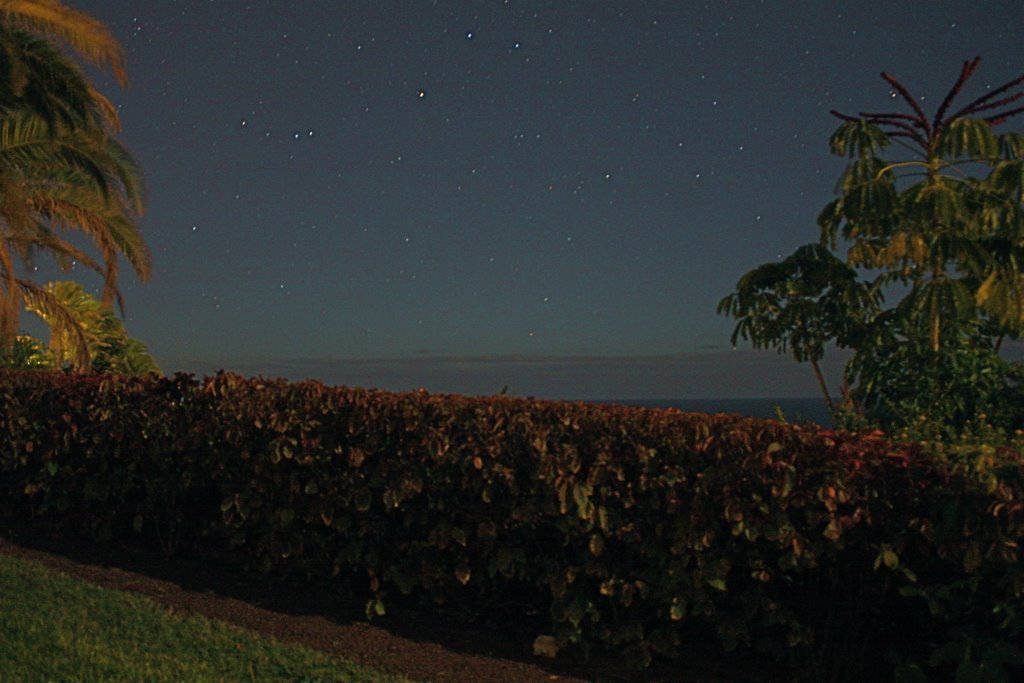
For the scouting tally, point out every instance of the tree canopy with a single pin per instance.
(929, 214)
(85, 335)
(63, 175)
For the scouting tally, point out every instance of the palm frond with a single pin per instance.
(84, 34)
(41, 79)
(60, 167)
(67, 336)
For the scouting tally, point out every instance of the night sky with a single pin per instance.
(462, 196)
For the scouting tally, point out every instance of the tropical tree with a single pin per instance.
(940, 228)
(801, 304)
(929, 221)
(61, 169)
(36, 77)
(94, 339)
(80, 180)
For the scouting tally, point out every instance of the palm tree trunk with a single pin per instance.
(8, 324)
(10, 302)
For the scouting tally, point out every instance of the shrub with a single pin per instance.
(623, 527)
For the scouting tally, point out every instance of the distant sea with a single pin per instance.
(793, 409)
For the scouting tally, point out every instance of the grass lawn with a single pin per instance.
(54, 628)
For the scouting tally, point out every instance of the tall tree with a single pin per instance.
(80, 181)
(940, 228)
(60, 167)
(947, 220)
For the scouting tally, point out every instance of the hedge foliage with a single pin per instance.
(625, 527)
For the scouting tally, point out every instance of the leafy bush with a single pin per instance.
(108, 454)
(27, 352)
(624, 527)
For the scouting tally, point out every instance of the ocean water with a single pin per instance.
(793, 409)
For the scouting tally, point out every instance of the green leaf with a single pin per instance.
(581, 496)
(969, 138)
(375, 608)
(718, 584)
(857, 138)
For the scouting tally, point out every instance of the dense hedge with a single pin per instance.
(626, 526)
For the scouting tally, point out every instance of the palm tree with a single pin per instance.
(79, 180)
(60, 167)
(64, 325)
(36, 76)
(95, 339)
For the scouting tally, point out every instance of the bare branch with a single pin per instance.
(844, 117)
(965, 73)
(904, 130)
(893, 115)
(889, 120)
(998, 103)
(917, 127)
(905, 94)
(988, 96)
(913, 136)
(1000, 118)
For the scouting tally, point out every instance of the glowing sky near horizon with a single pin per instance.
(551, 196)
